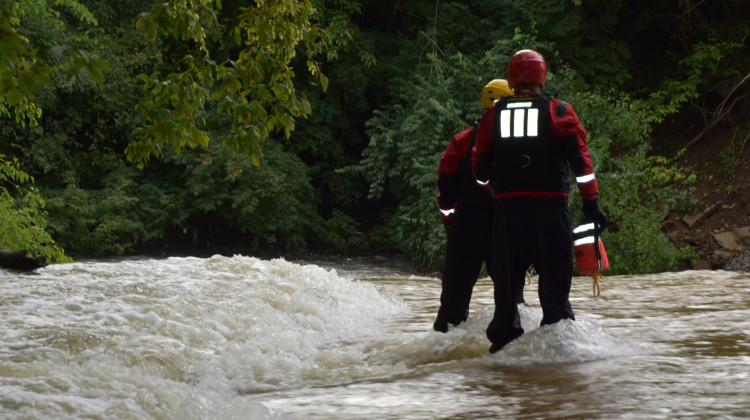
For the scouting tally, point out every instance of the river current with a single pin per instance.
(245, 338)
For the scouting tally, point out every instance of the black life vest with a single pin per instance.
(526, 156)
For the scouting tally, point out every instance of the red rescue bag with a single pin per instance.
(589, 249)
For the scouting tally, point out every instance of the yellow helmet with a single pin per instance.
(493, 91)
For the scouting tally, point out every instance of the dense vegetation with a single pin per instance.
(294, 126)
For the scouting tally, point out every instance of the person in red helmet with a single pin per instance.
(466, 209)
(527, 145)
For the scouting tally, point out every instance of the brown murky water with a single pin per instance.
(239, 337)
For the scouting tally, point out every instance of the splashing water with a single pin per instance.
(240, 337)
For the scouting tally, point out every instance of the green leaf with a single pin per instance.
(13, 96)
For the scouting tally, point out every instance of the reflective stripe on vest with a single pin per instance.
(526, 156)
(522, 118)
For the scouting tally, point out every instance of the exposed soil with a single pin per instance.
(721, 161)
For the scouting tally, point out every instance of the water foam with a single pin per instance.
(174, 338)
(563, 342)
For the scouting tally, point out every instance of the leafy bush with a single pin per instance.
(107, 220)
(22, 216)
(408, 137)
(386, 124)
(406, 142)
(205, 193)
(637, 188)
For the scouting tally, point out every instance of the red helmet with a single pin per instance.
(526, 66)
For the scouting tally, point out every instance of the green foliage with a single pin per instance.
(101, 207)
(637, 188)
(698, 71)
(19, 73)
(406, 142)
(640, 246)
(272, 202)
(200, 193)
(357, 174)
(337, 33)
(255, 85)
(105, 221)
(405, 147)
(22, 215)
(343, 233)
(731, 158)
(408, 137)
(30, 63)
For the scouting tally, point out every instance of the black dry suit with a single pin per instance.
(469, 242)
(528, 147)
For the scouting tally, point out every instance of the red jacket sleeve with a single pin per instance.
(449, 180)
(480, 158)
(566, 126)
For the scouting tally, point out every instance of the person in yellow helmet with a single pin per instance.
(467, 210)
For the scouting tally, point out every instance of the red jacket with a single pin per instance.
(455, 175)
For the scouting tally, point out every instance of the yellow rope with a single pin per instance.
(528, 278)
(596, 276)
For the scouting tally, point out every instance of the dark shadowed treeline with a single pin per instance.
(317, 126)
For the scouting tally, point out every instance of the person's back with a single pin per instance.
(467, 211)
(526, 147)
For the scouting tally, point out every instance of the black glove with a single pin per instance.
(592, 211)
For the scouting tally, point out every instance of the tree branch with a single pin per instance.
(721, 112)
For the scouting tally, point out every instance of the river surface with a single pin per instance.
(244, 338)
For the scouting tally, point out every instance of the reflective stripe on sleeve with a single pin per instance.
(447, 212)
(585, 178)
(584, 228)
(584, 241)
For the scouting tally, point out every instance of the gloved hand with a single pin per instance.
(446, 215)
(592, 211)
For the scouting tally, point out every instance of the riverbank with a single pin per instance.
(717, 227)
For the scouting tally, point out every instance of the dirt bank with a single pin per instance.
(718, 227)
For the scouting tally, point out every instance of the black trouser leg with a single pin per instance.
(509, 262)
(555, 265)
(530, 231)
(468, 246)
